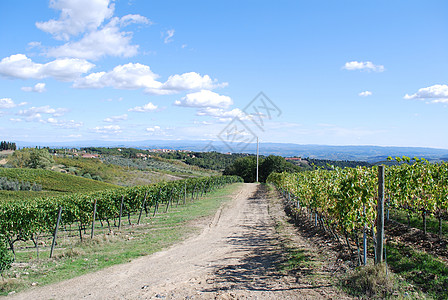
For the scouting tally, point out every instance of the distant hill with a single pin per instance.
(54, 181)
(370, 154)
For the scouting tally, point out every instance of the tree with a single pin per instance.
(20, 158)
(4, 145)
(40, 159)
(31, 158)
(276, 164)
(245, 167)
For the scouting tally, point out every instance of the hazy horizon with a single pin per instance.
(304, 72)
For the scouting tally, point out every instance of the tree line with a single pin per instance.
(4, 145)
(328, 164)
(246, 167)
(207, 160)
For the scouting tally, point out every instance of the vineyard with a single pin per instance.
(174, 166)
(26, 220)
(54, 181)
(346, 198)
(343, 202)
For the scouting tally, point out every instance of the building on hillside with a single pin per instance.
(293, 159)
(143, 156)
(88, 155)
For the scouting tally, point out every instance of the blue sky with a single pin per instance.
(335, 72)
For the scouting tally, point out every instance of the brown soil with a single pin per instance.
(237, 256)
(417, 239)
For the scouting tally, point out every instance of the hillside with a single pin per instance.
(54, 181)
(370, 154)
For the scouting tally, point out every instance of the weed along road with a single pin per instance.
(236, 256)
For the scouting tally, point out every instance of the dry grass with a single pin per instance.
(70, 253)
(8, 284)
(373, 281)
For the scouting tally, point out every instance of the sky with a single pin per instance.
(328, 72)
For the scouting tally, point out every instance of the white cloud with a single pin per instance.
(34, 44)
(129, 76)
(363, 66)
(156, 130)
(76, 17)
(34, 114)
(153, 129)
(203, 122)
(74, 135)
(168, 36)
(145, 108)
(15, 120)
(223, 115)
(108, 40)
(136, 76)
(67, 124)
(108, 129)
(437, 93)
(365, 94)
(38, 88)
(185, 82)
(7, 103)
(87, 19)
(65, 69)
(203, 99)
(116, 118)
(134, 19)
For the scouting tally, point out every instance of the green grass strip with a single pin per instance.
(154, 234)
(416, 221)
(419, 268)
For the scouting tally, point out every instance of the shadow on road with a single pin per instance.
(258, 270)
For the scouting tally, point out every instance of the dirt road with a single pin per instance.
(235, 257)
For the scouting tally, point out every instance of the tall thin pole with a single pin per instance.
(56, 231)
(257, 161)
(380, 216)
(93, 219)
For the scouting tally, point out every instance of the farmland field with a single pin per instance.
(332, 208)
(54, 181)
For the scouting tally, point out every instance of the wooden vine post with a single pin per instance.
(143, 206)
(56, 231)
(185, 193)
(93, 219)
(380, 217)
(121, 212)
(364, 241)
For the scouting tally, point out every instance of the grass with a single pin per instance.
(372, 281)
(419, 268)
(295, 260)
(74, 258)
(300, 262)
(432, 223)
(20, 195)
(54, 181)
(378, 282)
(130, 172)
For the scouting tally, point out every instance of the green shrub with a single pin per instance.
(87, 175)
(6, 258)
(14, 185)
